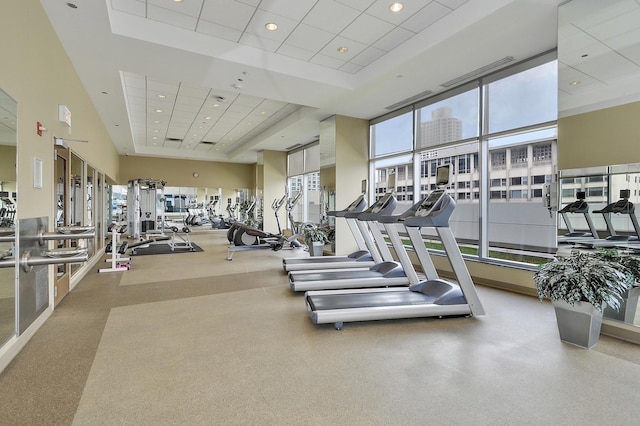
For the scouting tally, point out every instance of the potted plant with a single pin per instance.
(632, 308)
(579, 285)
(315, 238)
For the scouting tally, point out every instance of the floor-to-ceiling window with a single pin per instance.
(303, 183)
(499, 132)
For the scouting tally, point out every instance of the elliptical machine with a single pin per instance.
(250, 238)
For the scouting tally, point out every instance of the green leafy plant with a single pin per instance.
(598, 277)
(314, 234)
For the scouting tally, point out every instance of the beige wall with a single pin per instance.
(227, 176)
(352, 166)
(600, 138)
(7, 163)
(37, 73)
(328, 178)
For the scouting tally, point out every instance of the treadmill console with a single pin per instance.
(429, 203)
(356, 203)
(382, 202)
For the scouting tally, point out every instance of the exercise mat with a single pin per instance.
(164, 248)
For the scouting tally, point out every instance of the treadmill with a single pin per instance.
(386, 273)
(433, 297)
(622, 206)
(579, 206)
(366, 255)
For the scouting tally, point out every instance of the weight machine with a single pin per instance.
(145, 207)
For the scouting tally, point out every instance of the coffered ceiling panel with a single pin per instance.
(205, 79)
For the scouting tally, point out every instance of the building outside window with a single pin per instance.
(517, 147)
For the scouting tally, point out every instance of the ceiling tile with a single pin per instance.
(350, 68)
(190, 8)
(616, 26)
(393, 39)
(354, 48)
(309, 38)
(247, 100)
(260, 42)
(367, 29)
(218, 31)
(368, 56)
(172, 144)
(295, 52)
(380, 9)
(606, 11)
(204, 147)
(257, 25)
(632, 53)
(290, 9)
(608, 67)
(327, 61)
(628, 40)
(426, 17)
(452, 4)
(229, 13)
(331, 16)
(169, 17)
(360, 5)
(253, 3)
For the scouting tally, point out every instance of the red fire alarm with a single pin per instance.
(40, 128)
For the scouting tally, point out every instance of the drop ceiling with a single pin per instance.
(205, 79)
(598, 54)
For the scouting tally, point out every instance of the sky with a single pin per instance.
(529, 97)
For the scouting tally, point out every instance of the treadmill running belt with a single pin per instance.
(367, 300)
(338, 275)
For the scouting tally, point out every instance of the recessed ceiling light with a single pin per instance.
(156, 131)
(177, 1)
(158, 110)
(156, 121)
(342, 49)
(161, 96)
(396, 7)
(271, 26)
(207, 118)
(574, 83)
(216, 105)
(155, 138)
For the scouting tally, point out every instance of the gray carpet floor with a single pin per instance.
(194, 339)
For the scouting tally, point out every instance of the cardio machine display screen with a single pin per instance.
(355, 204)
(429, 203)
(381, 203)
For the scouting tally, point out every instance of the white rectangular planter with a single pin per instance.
(316, 248)
(632, 310)
(578, 324)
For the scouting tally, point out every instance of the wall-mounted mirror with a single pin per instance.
(598, 106)
(8, 198)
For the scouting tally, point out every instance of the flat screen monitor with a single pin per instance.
(625, 193)
(443, 174)
(391, 182)
(581, 195)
